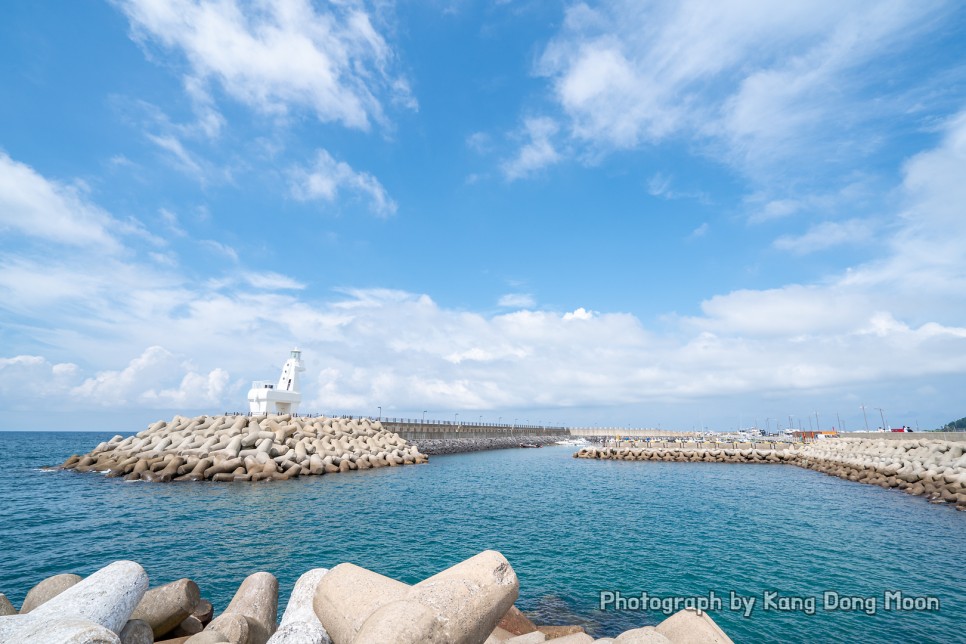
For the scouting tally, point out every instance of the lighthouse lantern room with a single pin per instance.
(282, 398)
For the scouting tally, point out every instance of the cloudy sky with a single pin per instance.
(647, 213)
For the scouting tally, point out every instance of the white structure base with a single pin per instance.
(280, 398)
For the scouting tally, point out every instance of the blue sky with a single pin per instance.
(644, 213)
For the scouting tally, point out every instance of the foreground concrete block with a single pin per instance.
(499, 635)
(348, 595)
(555, 632)
(137, 631)
(230, 626)
(646, 635)
(108, 597)
(688, 627)
(516, 622)
(403, 622)
(47, 590)
(204, 611)
(300, 624)
(574, 638)
(536, 637)
(207, 637)
(58, 631)
(190, 625)
(461, 604)
(164, 607)
(257, 601)
(470, 598)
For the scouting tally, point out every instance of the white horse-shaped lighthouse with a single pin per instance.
(283, 398)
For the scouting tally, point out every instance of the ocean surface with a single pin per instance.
(570, 528)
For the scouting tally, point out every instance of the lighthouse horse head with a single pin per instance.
(280, 398)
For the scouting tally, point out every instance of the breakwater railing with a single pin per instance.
(416, 429)
(692, 445)
(611, 432)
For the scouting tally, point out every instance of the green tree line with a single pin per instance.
(956, 425)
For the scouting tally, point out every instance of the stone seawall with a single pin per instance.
(432, 446)
(247, 448)
(931, 468)
(469, 603)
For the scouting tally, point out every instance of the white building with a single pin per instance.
(283, 397)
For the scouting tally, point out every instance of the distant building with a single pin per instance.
(283, 397)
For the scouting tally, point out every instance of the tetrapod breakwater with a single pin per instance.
(935, 469)
(247, 448)
(471, 602)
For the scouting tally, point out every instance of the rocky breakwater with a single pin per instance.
(935, 469)
(469, 603)
(247, 448)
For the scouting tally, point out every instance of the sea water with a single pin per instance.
(792, 555)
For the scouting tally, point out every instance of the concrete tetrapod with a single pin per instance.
(574, 638)
(405, 621)
(690, 627)
(536, 637)
(164, 607)
(259, 448)
(47, 590)
(6, 608)
(646, 635)
(137, 631)
(300, 624)
(471, 597)
(107, 598)
(63, 631)
(461, 604)
(348, 595)
(231, 626)
(256, 600)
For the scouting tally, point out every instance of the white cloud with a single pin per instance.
(537, 153)
(774, 209)
(43, 209)
(326, 178)
(516, 301)
(479, 142)
(271, 281)
(276, 56)
(183, 159)
(170, 220)
(220, 248)
(194, 391)
(826, 234)
(25, 379)
(137, 384)
(700, 231)
(777, 90)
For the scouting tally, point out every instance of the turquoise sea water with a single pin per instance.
(571, 528)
